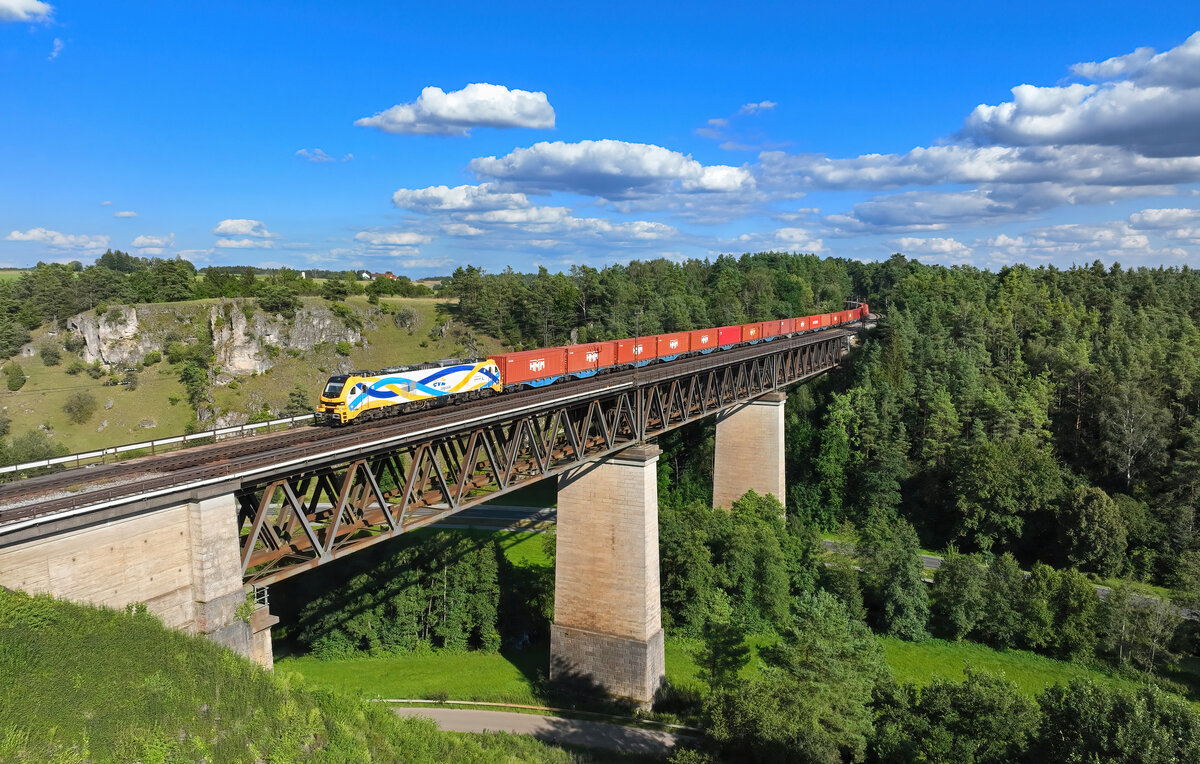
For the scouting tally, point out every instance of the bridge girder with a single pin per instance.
(292, 523)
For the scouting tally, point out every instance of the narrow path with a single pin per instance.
(552, 729)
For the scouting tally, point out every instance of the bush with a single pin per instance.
(343, 348)
(278, 298)
(15, 375)
(176, 352)
(152, 358)
(51, 355)
(95, 371)
(74, 343)
(75, 367)
(349, 317)
(80, 406)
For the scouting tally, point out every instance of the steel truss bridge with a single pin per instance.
(292, 522)
(309, 496)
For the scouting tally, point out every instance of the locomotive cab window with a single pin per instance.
(333, 388)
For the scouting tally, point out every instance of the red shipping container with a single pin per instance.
(773, 329)
(702, 339)
(531, 366)
(671, 345)
(751, 332)
(640, 349)
(729, 335)
(587, 359)
(805, 323)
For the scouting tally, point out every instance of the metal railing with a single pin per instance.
(155, 446)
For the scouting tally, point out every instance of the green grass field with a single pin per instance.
(133, 416)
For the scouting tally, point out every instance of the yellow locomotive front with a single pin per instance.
(347, 397)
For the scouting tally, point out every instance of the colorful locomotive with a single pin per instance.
(372, 394)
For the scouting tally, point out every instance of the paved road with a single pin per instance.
(553, 729)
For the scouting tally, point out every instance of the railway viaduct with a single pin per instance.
(195, 534)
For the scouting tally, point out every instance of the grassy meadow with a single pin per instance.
(89, 684)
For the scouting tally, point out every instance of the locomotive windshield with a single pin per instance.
(333, 387)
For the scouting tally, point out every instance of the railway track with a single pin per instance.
(90, 485)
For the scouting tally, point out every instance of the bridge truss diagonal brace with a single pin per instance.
(292, 522)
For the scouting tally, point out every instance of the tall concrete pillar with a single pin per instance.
(749, 451)
(607, 620)
(217, 590)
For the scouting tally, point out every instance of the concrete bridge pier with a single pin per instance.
(607, 629)
(749, 451)
(178, 555)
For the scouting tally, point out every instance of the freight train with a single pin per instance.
(364, 395)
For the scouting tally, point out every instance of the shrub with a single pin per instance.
(76, 366)
(349, 317)
(95, 371)
(152, 358)
(51, 355)
(74, 343)
(343, 348)
(278, 298)
(114, 314)
(80, 406)
(15, 375)
(176, 352)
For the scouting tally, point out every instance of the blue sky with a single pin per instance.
(388, 136)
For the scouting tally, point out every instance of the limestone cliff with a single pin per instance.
(245, 340)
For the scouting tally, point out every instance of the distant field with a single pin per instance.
(12, 275)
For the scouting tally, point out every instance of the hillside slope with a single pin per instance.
(79, 683)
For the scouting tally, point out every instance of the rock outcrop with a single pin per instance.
(243, 344)
(247, 345)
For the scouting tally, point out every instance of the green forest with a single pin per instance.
(1050, 414)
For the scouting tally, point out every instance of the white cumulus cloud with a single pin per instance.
(609, 169)
(933, 245)
(25, 10)
(386, 239)
(62, 241)
(457, 199)
(480, 104)
(754, 108)
(154, 241)
(243, 227)
(125, 214)
(244, 244)
(461, 229)
(1150, 103)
